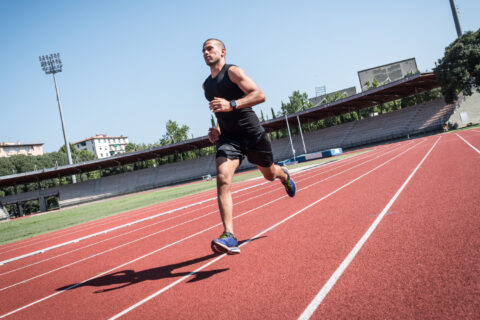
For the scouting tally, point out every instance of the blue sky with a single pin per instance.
(129, 66)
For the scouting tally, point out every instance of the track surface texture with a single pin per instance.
(393, 233)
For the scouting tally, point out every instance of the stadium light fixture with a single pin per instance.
(52, 64)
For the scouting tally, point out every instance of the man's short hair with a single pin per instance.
(220, 42)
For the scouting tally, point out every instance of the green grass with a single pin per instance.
(34, 225)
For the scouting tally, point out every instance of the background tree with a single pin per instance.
(78, 155)
(297, 102)
(273, 114)
(459, 69)
(333, 97)
(175, 133)
(262, 117)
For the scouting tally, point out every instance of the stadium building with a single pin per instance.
(102, 145)
(8, 149)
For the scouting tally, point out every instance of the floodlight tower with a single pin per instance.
(455, 17)
(52, 64)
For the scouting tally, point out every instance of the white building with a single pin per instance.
(8, 149)
(102, 145)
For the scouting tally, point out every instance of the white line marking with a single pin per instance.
(91, 256)
(134, 260)
(169, 228)
(93, 224)
(195, 234)
(118, 227)
(251, 239)
(139, 211)
(468, 143)
(127, 225)
(341, 268)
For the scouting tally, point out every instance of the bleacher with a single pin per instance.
(401, 123)
(431, 116)
(135, 181)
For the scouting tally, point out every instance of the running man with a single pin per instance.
(232, 94)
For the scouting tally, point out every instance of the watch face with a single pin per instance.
(233, 104)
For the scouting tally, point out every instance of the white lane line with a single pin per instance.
(468, 143)
(93, 224)
(179, 241)
(118, 227)
(139, 211)
(309, 176)
(341, 268)
(132, 231)
(254, 237)
(94, 255)
(134, 260)
(126, 225)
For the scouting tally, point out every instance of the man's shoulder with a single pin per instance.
(233, 67)
(235, 72)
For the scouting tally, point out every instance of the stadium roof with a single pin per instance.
(389, 92)
(398, 89)
(121, 159)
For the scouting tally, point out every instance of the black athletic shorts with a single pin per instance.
(258, 149)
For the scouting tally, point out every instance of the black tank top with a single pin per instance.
(240, 124)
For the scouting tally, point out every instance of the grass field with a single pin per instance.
(30, 226)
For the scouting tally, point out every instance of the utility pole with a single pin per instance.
(52, 64)
(455, 18)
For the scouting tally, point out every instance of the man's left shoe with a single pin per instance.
(290, 186)
(226, 243)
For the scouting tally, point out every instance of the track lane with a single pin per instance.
(217, 219)
(213, 202)
(101, 221)
(423, 261)
(121, 216)
(274, 275)
(238, 203)
(329, 169)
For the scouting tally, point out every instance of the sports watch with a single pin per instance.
(233, 104)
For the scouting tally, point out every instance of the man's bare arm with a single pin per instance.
(253, 94)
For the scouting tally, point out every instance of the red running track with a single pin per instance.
(393, 233)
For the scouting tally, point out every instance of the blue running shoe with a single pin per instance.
(290, 186)
(226, 243)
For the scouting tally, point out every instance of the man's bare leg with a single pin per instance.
(225, 171)
(273, 172)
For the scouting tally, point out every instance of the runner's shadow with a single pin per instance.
(127, 278)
